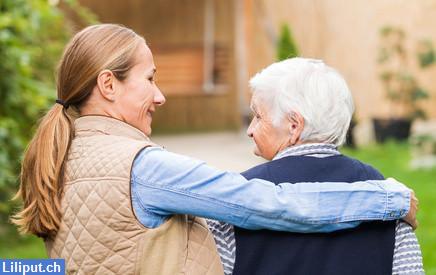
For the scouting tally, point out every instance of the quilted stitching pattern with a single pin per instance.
(203, 257)
(108, 156)
(98, 228)
(93, 231)
(99, 233)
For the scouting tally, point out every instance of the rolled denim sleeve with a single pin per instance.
(165, 183)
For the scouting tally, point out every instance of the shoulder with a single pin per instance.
(258, 171)
(157, 162)
(346, 165)
(156, 154)
(364, 168)
(265, 170)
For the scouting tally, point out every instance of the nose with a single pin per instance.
(250, 129)
(159, 98)
(249, 133)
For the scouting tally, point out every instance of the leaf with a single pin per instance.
(420, 93)
(383, 55)
(426, 53)
(385, 31)
(418, 114)
(286, 47)
(386, 76)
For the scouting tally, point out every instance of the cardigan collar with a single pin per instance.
(309, 149)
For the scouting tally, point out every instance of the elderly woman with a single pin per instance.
(302, 109)
(109, 201)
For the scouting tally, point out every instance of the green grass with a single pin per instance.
(391, 159)
(21, 247)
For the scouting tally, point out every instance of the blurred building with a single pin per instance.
(345, 34)
(206, 50)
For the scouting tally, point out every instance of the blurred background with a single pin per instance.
(207, 50)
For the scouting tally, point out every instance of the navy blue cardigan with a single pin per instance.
(367, 249)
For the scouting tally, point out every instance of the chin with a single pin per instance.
(145, 130)
(259, 154)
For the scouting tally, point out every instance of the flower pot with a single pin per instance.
(398, 129)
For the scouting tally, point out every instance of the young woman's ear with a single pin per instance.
(105, 84)
(296, 126)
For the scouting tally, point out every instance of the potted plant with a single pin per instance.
(286, 46)
(402, 88)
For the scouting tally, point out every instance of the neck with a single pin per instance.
(96, 109)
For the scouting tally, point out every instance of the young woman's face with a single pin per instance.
(138, 94)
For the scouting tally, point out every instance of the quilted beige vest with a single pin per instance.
(99, 233)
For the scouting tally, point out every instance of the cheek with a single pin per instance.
(139, 98)
(263, 140)
(147, 96)
(134, 106)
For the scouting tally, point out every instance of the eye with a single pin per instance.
(151, 79)
(255, 115)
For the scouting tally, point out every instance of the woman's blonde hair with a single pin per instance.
(95, 48)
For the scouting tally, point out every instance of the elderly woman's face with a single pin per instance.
(269, 139)
(139, 94)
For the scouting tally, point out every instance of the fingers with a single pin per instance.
(411, 215)
(414, 224)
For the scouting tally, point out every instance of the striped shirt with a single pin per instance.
(407, 257)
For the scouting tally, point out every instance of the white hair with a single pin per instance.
(316, 91)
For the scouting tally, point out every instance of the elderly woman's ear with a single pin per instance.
(105, 84)
(296, 126)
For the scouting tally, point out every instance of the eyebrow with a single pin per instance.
(152, 72)
(253, 108)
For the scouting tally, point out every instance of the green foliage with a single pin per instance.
(401, 86)
(22, 247)
(32, 36)
(426, 53)
(286, 47)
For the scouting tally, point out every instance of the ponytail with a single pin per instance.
(42, 175)
(95, 48)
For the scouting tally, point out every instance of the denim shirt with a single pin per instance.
(165, 183)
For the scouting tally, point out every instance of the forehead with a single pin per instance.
(257, 100)
(144, 57)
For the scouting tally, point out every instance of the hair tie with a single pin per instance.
(64, 104)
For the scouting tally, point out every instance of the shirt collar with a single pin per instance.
(310, 149)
